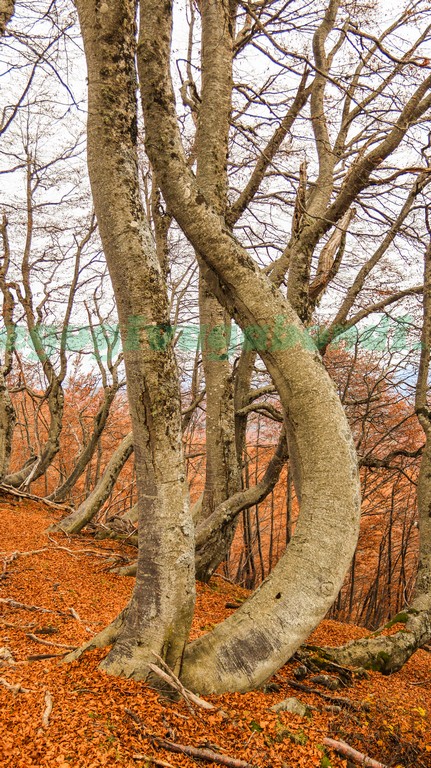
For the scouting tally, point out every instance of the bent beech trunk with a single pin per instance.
(94, 502)
(245, 650)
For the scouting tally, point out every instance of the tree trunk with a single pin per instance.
(7, 426)
(222, 477)
(7, 8)
(159, 614)
(247, 648)
(94, 502)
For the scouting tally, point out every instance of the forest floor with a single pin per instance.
(97, 720)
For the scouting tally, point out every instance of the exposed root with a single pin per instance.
(105, 637)
(385, 654)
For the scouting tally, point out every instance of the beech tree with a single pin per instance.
(351, 160)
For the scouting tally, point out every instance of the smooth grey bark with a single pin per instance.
(246, 649)
(78, 519)
(158, 616)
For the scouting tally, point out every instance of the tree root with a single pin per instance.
(104, 638)
(385, 654)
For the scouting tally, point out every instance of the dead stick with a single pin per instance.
(48, 642)
(151, 759)
(343, 702)
(347, 751)
(15, 688)
(22, 606)
(48, 709)
(173, 680)
(201, 754)
(8, 489)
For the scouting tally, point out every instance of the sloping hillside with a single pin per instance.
(57, 592)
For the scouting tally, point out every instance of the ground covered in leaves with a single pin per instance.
(96, 720)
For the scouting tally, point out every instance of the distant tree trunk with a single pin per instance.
(89, 508)
(211, 531)
(7, 426)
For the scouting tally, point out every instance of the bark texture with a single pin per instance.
(247, 648)
(7, 8)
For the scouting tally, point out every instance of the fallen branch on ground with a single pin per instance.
(340, 700)
(23, 606)
(200, 754)
(14, 688)
(72, 552)
(184, 749)
(151, 759)
(48, 642)
(48, 709)
(9, 490)
(352, 754)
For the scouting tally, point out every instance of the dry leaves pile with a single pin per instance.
(72, 715)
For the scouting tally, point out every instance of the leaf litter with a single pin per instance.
(75, 716)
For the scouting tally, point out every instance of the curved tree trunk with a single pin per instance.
(16, 479)
(94, 502)
(159, 614)
(246, 649)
